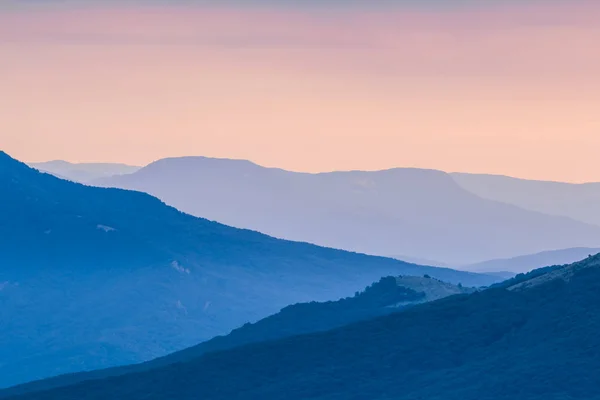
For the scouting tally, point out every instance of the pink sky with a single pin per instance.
(513, 90)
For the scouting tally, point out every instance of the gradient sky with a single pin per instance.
(477, 86)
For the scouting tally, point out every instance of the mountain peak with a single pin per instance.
(201, 160)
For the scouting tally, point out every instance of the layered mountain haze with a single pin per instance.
(578, 201)
(389, 295)
(259, 200)
(421, 214)
(92, 277)
(534, 337)
(83, 172)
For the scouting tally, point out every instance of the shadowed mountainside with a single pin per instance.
(532, 338)
(92, 278)
(389, 295)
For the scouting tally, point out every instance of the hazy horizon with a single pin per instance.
(124, 163)
(500, 88)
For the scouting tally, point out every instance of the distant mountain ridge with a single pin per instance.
(533, 338)
(83, 172)
(389, 295)
(117, 277)
(580, 202)
(533, 261)
(422, 214)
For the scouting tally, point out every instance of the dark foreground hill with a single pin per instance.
(534, 338)
(389, 295)
(92, 278)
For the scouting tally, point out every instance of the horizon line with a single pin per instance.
(265, 166)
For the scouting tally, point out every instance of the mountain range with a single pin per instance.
(580, 202)
(92, 278)
(420, 214)
(389, 295)
(577, 201)
(532, 337)
(83, 172)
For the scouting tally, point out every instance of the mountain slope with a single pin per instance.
(578, 201)
(532, 340)
(389, 295)
(84, 172)
(422, 214)
(532, 261)
(92, 278)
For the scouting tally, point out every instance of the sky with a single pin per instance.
(493, 86)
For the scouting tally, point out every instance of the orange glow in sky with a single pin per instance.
(513, 90)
